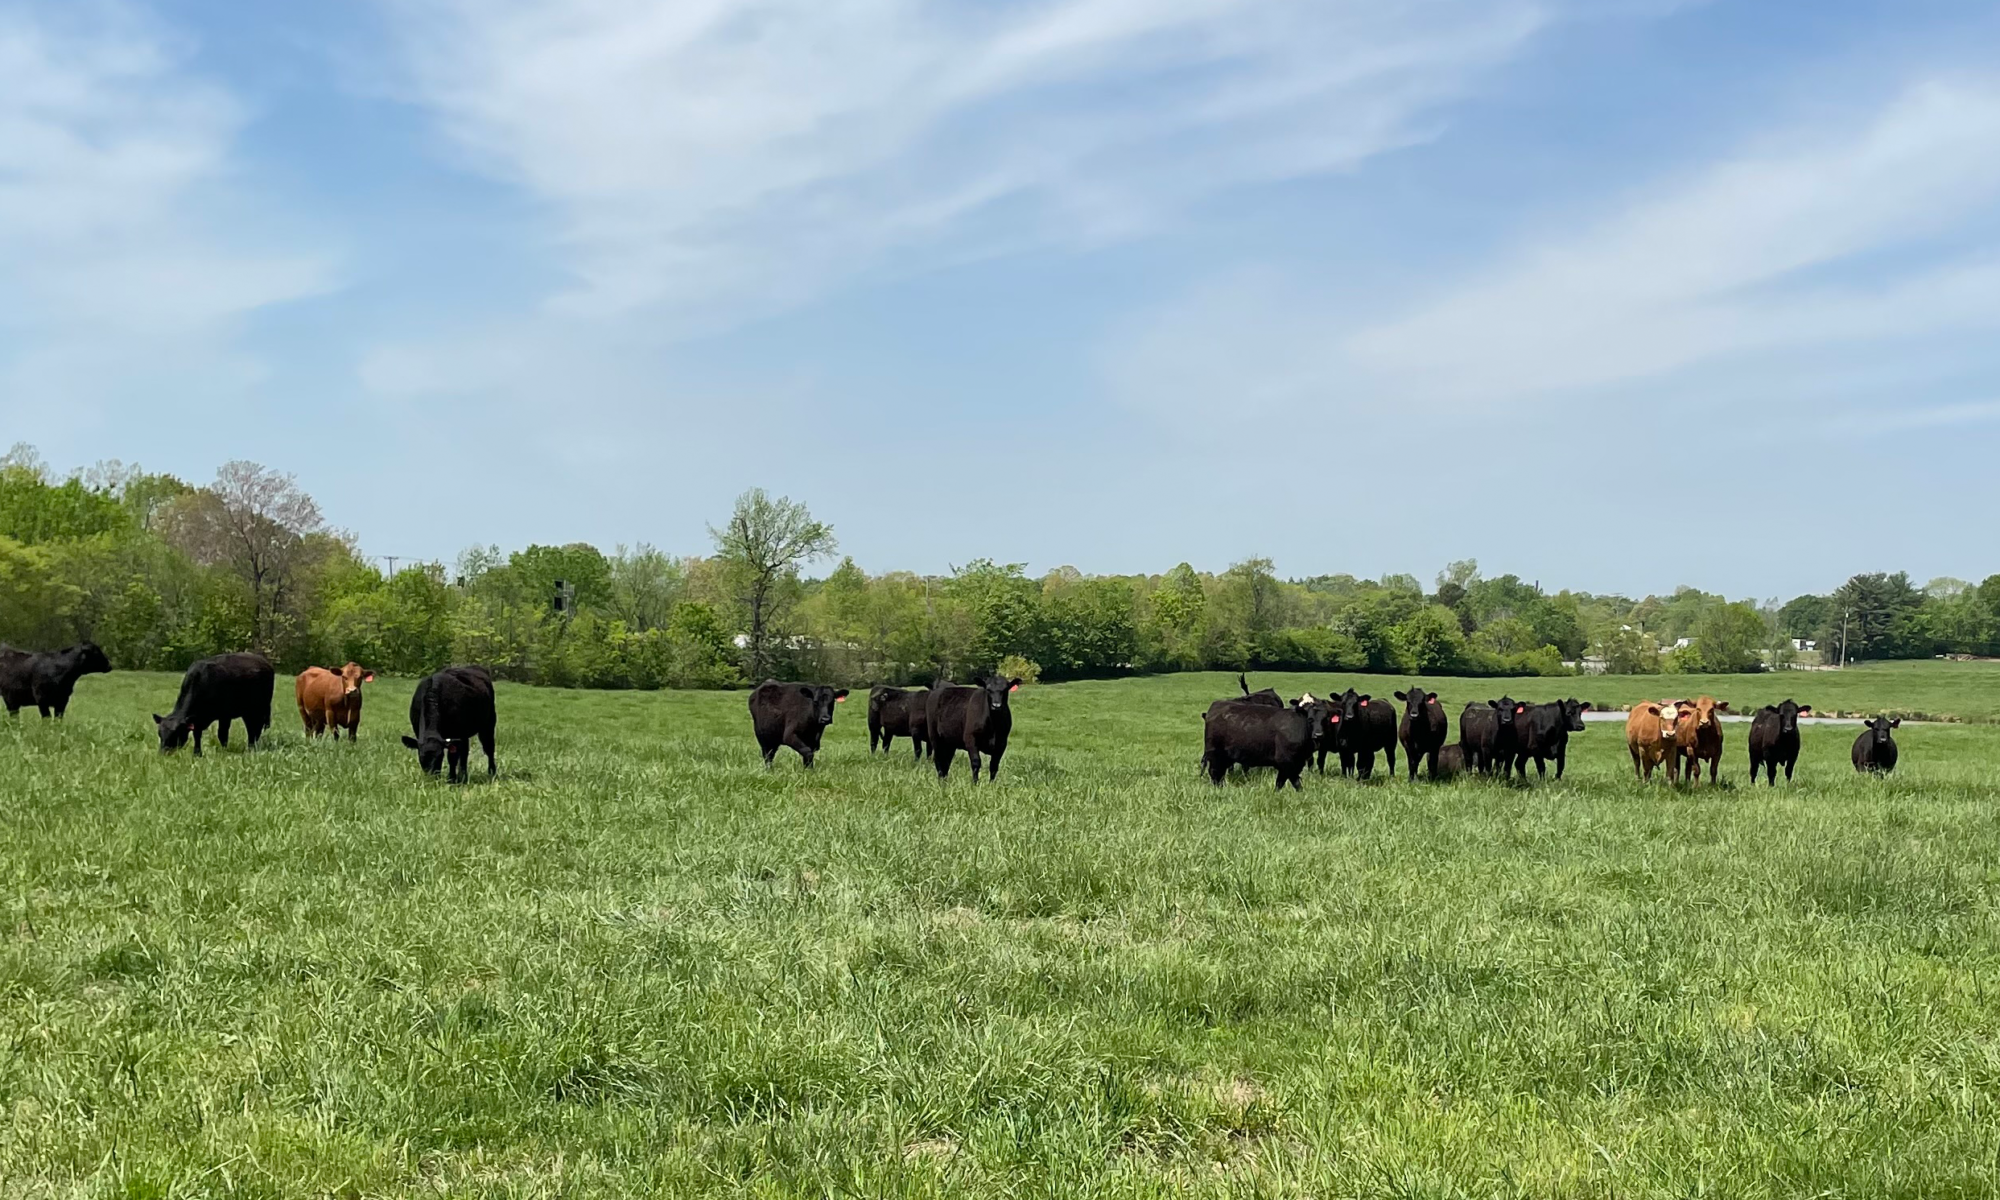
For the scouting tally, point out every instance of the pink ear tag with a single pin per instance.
(1014, 687)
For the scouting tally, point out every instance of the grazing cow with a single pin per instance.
(1698, 737)
(1774, 740)
(1422, 730)
(46, 678)
(792, 714)
(974, 719)
(1875, 750)
(1487, 732)
(228, 687)
(1542, 733)
(1256, 735)
(449, 708)
(1649, 735)
(1449, 762)
(1364, 727)
(1266, 696)
(331, 699)
(893, 711)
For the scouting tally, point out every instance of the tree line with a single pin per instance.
(160, 572)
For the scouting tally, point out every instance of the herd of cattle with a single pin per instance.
(453, 705)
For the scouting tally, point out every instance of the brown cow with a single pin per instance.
(1649, 734)
(332, 699)
(1698, 737)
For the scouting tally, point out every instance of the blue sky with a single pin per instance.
(1617, 295)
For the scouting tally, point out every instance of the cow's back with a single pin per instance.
(461, 699)
(946, 709)
(228, 687)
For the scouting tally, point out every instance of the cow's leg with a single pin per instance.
(485, 744)
(1541, 768)
(42, 709)
(770, 750)
(254, 729)
(1562, 758)
(1714, 767)
(222, 732)
(799, 746)
(993, 763)
(916, 750)
(1789, 764)
(197, 741)
(1391, 753)
(941, 759)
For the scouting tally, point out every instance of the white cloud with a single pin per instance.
(710, 159)
(1865, 234)
(116, 208)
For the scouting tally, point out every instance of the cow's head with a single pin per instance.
(352, 677)
(1353, 704)
(1572, 713)
(173, 733)
(1508, 708)
(997, 689)
(1414, 701)
(430, 751)
(822, 698)
(90, 659)
(1320, 715)
(1788, 715)
(1881, 727)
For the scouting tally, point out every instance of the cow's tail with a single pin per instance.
(1243, 683)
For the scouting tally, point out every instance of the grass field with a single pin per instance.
(638, 964)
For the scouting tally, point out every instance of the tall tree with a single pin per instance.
(255, 524)
(763, 546)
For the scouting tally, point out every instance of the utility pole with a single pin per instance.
(391, 559)
(1843, 636)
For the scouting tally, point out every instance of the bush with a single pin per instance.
(1015, 667)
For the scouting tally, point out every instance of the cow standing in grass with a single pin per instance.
(47, 678)
(1649, 735)
(792, 714)
(1875, 750)
(1486, 731)
(1243, 734)
(1366, 726)
(1774, 740)
(1542, 732)
(449, 708)
(974, 719)
(216, 691)
(1698, 737)
(890, 713)
(1422, 730)
(331, 699)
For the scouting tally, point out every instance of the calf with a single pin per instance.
(1365, 727)
(1487, 733)
(1649, 735)
(1875, 749)
(1542, 732)
(1774, 740)
(46, 679)
(893, 711)
(228, 687)
(450, 707)
(1698, 738)
(331, 699)
(1422, 730)
(1448, 763)
(1256, 735)
(792, 714)
(974, 719)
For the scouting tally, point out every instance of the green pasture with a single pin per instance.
(640, 965)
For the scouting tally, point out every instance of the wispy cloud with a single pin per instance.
(717, 158)
(119, 218)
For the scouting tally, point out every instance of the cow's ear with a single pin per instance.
(158, 719)
(839, 695)
(1402, 695)
(806, 691)
(368, 677)
(1014, 684)
(1722, 706)
(1430, 698)
(409, 741)
(1804, 708)
(1584, 707)
(1896, 724)
(1493, 704)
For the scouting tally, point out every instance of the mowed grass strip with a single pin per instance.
(640, 964)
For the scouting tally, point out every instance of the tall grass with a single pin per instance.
(639, 964)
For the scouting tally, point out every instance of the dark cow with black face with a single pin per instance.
(792, 714)
(890, 713)
(1774, 739)
(1422, 730)
(1487, 733)
(974, 719)
(1541, 732)
(448, 709)
(216, 691)
(1236, 733)
(1875, 750)
(46, 678)
(1365, 726)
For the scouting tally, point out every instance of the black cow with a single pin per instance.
(1541, 732)
(1774, 740)
(974, 719)
(892, 712)
(1486, 731)
(228, 687)
(1450, 762)
(1268, 697)
(1875, 750)
(46, 678)
(449, 707)
(1422, 729)
(792, 714)
(1362, 728)
(1235, 733)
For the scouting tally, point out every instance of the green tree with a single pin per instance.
(762, 547)
(1727, 638)
(1177, 618)
(254, 524)
(1429, 641)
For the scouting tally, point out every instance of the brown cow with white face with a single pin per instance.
(332, 699)
(1649, 735)
(1698, 737)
